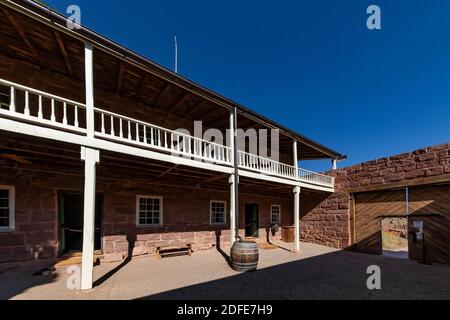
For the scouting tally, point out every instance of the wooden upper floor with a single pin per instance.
(138, 105)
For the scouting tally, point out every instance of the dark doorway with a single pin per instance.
(252, 220)
(71, 217)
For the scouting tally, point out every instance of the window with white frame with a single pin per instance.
(149, 211)
(6, 208)
(218, 212)
(275, 214)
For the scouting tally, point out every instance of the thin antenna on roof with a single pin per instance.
(176, 55)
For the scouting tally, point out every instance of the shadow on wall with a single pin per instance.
(131, 238)
(338, 275)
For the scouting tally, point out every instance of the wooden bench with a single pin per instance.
(174, 250)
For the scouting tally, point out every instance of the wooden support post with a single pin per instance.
(334, 164)
(91, 157)
(295, 157)
(236, 174)
(232, 210)
(297, 219)
(89, 75)
(231, 137)
(294, 147)
(233, 189)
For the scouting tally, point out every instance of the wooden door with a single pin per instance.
(432, 206)
(71, 206)
(251, 220)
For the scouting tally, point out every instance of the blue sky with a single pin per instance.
(310, 65)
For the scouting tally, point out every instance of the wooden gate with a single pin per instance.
(430, 204)
(369, 210)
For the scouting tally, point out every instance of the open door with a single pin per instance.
(252, 220)
(71, 219)
(395, 237)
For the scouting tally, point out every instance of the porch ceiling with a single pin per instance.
(50, 50)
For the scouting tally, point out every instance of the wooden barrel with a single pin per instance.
(244, 256)
(288, 234)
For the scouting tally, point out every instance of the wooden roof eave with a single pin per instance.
(58, 21)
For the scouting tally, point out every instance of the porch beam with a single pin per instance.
(62, 49)
(90, 157)
(162, 94)
(217, 122)
(211, 180)
(195, 108)
(297, 219)
(166, 172)
(142, 86)
(120, 77)
(23, 35)
(179, 103)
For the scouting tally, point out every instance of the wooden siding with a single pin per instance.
(432, 204)
(369, 208)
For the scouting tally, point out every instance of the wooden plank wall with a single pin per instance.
(430, 204)
(369, 207)
(434, 203)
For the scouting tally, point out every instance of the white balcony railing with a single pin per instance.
(265, 165)
(315, 178)
(275, 168)
(32, 106)
(131, 131)
(42, 108)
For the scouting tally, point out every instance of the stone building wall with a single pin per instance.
(329, 222)
(186, 216)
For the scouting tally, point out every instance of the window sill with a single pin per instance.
(149, 226)
(7, 230)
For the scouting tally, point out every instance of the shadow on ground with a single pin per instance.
(15, 283)
(338, 275)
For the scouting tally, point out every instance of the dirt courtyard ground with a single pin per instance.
(317, 273)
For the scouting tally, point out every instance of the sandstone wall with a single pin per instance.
(329, 222)
(186, 214)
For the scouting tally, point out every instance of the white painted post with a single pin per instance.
(334, 164)
(294, 147)
(232, 183)
(89, 74)
(231, 137)
(232, 210)
(91, 157)
(12, 105)
(297, 219)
